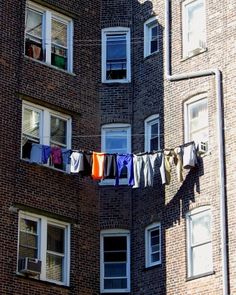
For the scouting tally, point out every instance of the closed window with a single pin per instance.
(116, 55)
(151, 36)
(152, 133)
(48, 37)
(153, 244)
(115, 261)
(44, 126)
(199, 241)
(49, 241)
(196, 117)
(194, 31)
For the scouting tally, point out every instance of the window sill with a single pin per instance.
(50, 66)
(146, 57)
(24, 277)
(200, 276)
(116, 81)
(193, 53)
(46, 166)
(147, 268)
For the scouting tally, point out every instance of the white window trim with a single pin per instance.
(200, 48)
(147, 40)
(42, 244)
(148, 253)
(114, 233)
(189, 244)
(116, 30)
(147, 125)
(44, 130)
(104, 128)
(194, 99)
(48, 14)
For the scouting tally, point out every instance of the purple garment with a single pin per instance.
(46, 151)
(125, 160)
(56, 155)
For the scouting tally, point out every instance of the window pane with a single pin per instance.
(116, 141)
(115, 256)
(55, 239)
(115, 243)
(28, 225)
(155, 257)
(202, 259)
(59, 57)
(115, 283)
(58, 131)
(154, 46)
(115, 270)
(59, 33)
(154, 144)
(54, 267)
(31, 120)
(34, 23)
(201, 228)
(28, 240)
(28, 252)
(154, 130)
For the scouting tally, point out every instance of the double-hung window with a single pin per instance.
(49, 37)
(115, 261)
(116, 139)
(151, 36)
(153, 244)
(116, 55)
(44, 126)
(152, 133)
(49, 241)
(196, 117)
(199, 241)
(194, 27)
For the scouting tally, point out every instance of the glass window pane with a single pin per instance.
(28, 240)
(154, 130)
(115, 256)
(116, 141)
(154, 144)
(34, 23)
(115, 270)
(55, 239)
(31, 121)
(201, 227)
(116, 47)
(154, 32)
(54, 267)
(59, 57)
(28, 225)
(59, 33)
(28, 252)
(202, 259)
(115, 283)
(155, 257)
(154, 46)
(58, 131)
(115, 243)
(155, 248)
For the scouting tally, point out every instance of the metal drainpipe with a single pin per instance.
(220, 137)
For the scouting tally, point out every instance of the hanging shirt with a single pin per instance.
(56, 155)
(165, 169)
(36, 153)
(138, 170)
(125, 160)
(65, 153)
(179, 163)
(87, 164)
(76, 163)
(189, 156)
(110, 166)
(148, 168)
(46, 151)
(98, 166)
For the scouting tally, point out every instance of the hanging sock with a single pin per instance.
(76, 163)
(98, 166)
(125, 160)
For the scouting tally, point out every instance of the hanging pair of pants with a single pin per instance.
(127, 161)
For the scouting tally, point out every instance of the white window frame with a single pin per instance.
(187, 104)
(111, 31)
(44, 126)
(42, 244)
(187, 50)
(114, 233)
(190, 245)
(148, 250)
(115, 126)
(48, 15)
(151, 120)
(148, 25)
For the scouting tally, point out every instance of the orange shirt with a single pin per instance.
(98, 165)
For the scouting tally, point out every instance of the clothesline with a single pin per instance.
(141, 167)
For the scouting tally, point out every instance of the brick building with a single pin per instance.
(121, 77)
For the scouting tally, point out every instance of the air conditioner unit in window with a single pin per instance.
(29, 266)
(203, 147)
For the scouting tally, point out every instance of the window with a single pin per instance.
(199, 241)
(194, 31)
(43, 126)
(196, 116)
(116, 55)
(115, 261)
(49, 241)
(116, 139)
(151, 36)
(48, 37)
(153, 244)
(152, 133)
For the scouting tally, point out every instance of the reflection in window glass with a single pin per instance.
(58, 131)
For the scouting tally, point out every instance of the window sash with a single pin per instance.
(150, 252)
(150, 137)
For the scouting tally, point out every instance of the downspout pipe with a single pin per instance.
(220, 137)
